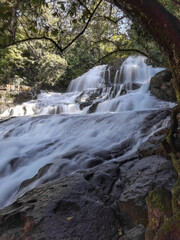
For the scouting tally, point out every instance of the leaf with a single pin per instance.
(69, 218)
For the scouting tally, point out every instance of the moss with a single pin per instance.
(170, 230)
(169, 137)
(176, 162)
(159, 210)
(176, 90)
(160, 198)
(7, 95)
(150, 234)
(176, 197)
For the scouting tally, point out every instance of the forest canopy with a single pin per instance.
(48, 42)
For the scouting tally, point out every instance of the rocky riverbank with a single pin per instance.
(12, 95)
(104, 202)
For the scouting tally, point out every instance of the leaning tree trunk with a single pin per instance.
(165, 29)
(163, 26)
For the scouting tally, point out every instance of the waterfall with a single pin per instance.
(58, 131)
(92, 79)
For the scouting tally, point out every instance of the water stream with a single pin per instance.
(97, 120)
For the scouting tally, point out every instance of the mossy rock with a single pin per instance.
(176, 197)
(170, 230)
(159, 210)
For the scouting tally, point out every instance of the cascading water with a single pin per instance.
(57, 133)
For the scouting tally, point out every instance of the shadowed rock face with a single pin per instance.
(161, 86)
(86, 205)
(68, 208)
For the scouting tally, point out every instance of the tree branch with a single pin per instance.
(30, 39)
(110, 19)
(126, 50)
(54, 42)
(85, 27)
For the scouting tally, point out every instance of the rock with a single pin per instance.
(136, 233)
(68, 208)
(93, 108)
(25, 96)
(84, 205)
(135, 86)
(12, 97)
(104, 201)
(111, 70)
(84, 104)
(139, 177)
(159, 210)
(161, 86)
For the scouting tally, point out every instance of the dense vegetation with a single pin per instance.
(68, 38)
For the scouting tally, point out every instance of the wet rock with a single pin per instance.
(42, 171)
(159, 123)
(84, 104)
(161, 86)
(135, 86)
(67, 208)
(93, 108)
(95, 162)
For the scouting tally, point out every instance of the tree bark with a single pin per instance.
(163, 26)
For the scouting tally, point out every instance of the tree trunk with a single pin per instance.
(163, 26)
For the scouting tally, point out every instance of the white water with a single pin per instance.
(53, 128)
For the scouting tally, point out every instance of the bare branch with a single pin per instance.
(31, 39)
(51, 40)
(110, 19)
(85, 27)
(127, 50)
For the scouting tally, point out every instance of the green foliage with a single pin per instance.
(141, 40)
(39, 63)
(50, 68)
(31, 64)
(79, 60)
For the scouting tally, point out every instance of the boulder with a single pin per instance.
(161, 86)
(136, 233)
(67, 208)
(138, 177)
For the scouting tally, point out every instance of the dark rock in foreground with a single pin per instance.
(106, 201)
(68, 208)
(93, 204)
